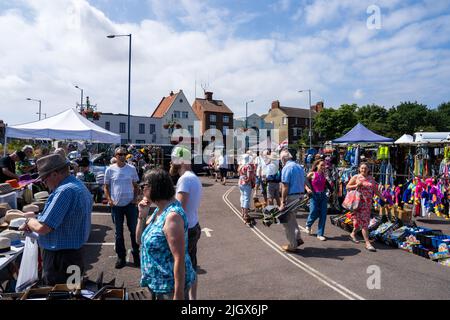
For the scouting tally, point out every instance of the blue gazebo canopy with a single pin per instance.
(359, 134)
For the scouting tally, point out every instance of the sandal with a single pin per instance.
(371, 248)
(353, 239)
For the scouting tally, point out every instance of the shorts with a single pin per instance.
(246, 193)
(194, 234)
(273, 190)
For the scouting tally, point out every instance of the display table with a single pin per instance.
(6, 259)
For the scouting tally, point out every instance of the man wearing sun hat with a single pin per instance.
(189, 193)
(65, 223)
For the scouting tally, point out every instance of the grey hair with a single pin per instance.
(120, 149)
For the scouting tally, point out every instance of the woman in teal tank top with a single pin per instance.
(165, 263)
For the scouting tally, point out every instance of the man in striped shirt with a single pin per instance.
(65, 223)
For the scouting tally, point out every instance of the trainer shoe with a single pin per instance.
(321, 238)
(308, 230)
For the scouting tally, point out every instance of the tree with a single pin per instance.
(373, 117)
(407, 117)
(443, 114)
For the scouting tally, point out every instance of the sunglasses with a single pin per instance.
(121, 154)
(142, 186)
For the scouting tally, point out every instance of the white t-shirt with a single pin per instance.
(260, 166)
(120, 181)
(223, 162)
(191, 184)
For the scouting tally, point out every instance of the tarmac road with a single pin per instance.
(238, 262)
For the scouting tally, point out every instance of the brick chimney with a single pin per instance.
(171, 93)
(275, 104)
(208, 95)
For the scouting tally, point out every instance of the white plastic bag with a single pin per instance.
(28, 272)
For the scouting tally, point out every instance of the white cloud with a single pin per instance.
(358, 94)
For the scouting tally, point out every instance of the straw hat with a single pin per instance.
(13, 214)
(39, 196)
(5, 245)
(31, 207)
(16, 223)
(13, 235)
(40, 204)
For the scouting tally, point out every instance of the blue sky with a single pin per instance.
(262, 50)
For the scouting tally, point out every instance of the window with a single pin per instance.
(176, 115)
(107, 125)
(123, 141)
(153, 138)
(297, 132)
(285, 120)
(225, 128)
(212, 118)
(191, 129)
(226, 119)
(122, 127)
(141, 128)
(152, 128)
(140, 141)
(185, 114)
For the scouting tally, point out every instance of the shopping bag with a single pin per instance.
(28, 272)
(352, 200)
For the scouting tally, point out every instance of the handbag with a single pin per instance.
(352, 200)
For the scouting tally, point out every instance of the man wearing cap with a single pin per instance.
(189, 193)
(292, 188)
(8, 166)
(121, 191)
(65, 223)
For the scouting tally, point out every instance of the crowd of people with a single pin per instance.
(281, 181)
(161, 208)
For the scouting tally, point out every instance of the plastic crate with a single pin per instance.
(9, 198)
(438, 239)
(426, 237)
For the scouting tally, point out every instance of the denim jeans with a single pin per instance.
(318, 209)
(118, 215)
(246, 195)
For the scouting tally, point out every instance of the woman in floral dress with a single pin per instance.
(367, 186)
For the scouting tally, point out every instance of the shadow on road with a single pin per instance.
(207, 185)
(426, 221)
(328, 253)
(92, 253)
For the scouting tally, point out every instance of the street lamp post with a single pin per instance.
(39, 113)
(129, 76)
(81, 101)
(310, 128)
(246, 122)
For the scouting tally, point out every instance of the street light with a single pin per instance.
(246, 123)
(81, 101)
(246, 115)
(310, 131)
(39, 113)
(129, 75)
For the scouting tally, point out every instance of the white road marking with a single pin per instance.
(101, 214)
(99, 244)
(207, 231)
(293, 259)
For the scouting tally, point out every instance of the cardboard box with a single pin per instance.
(36, 293)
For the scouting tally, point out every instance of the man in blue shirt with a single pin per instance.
(65, 223)
(292, 188)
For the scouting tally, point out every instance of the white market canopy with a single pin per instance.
(405, 139)
(431, 137)
(67, 125)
